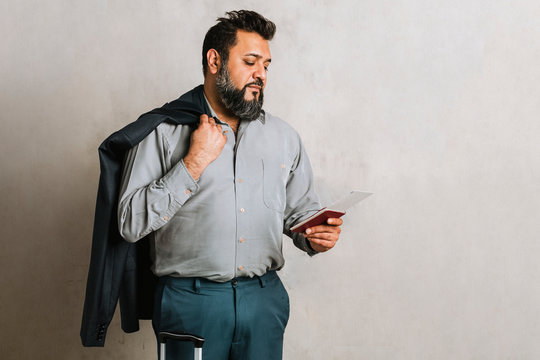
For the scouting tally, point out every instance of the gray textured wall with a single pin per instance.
(433, 105)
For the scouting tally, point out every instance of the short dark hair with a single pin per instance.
(222, 36)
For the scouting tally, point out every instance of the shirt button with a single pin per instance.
(165, 218)
(242, 210)
(242, 240)
(240, 268)
(188, 191)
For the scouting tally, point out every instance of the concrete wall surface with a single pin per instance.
(433, 105)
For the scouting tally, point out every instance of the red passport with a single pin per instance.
(326, 213)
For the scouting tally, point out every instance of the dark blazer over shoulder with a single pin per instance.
(119, 270)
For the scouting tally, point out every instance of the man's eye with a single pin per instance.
(249, 63)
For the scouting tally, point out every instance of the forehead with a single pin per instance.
(250, 43)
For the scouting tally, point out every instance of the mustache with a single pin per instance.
(257, 82)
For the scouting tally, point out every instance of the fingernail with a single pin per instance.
(308, 231)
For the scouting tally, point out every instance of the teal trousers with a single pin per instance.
(241, 319)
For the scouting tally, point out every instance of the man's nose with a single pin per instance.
(260, 73)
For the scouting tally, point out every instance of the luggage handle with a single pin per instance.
(195, 339)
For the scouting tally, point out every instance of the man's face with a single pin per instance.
(242, 79)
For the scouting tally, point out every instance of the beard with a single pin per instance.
(234, 99)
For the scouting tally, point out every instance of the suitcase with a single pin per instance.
(196, 340)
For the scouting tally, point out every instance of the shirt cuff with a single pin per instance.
(309, 249)
(303, 244)
(180, 183)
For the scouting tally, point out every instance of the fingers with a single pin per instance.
(321, 245)
(327, 240)
(323, 240)
(219, 128)
(326, 228)
(324, 237)
(334, 221)
(205, 120)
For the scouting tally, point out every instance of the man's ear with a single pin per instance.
(214, 61)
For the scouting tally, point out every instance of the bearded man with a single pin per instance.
(215, 200)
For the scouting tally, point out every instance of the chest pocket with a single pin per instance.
(275, 176)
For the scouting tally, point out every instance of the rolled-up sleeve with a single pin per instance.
(151, 193)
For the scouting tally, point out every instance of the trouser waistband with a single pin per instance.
(198, 282)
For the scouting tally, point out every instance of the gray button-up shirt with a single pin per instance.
(230, 222)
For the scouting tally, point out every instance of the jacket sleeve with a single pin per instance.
(109, 251)
(152, 189)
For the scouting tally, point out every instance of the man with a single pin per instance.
(215, 201)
